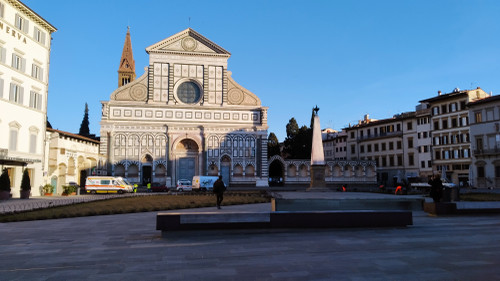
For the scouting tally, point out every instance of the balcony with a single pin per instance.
(487, 152)
(381, 135)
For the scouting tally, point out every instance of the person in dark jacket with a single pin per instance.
(219, 189)
(436, 188)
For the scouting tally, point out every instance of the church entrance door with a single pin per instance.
(186, 168)
(146, 174)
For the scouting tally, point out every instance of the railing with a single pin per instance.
(493, 151)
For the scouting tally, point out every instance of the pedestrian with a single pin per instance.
(219, 189)
(436, 188)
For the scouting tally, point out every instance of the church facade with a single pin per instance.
(184, 116)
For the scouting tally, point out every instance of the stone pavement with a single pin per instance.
(127, 247)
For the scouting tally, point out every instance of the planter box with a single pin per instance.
(47, 194)
(25, 194)
(4, 195)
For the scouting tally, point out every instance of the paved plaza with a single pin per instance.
(127, 247)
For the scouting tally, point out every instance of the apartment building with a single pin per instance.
(24, 75)
(451, 142)
(334, 144)
(485, 142)
(391, 143)
(424, 141)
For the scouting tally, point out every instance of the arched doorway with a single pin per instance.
(225, 169)
(186, 153)
(276, 173)
(147, 169)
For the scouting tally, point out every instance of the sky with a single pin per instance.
(350, 58)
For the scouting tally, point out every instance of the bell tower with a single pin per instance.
(126, 70)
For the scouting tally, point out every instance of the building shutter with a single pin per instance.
(16, 23)
(32, 99)
(39, 102)
(40, 74)
(3, 54)
(32, 143)
(12, 91)
(26, 25)
(23, 65)
(21, 93)
(1, 88)
(43, 38)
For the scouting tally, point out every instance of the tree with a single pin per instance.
(273, 145)
(5, 180)
(84, 127)
(297, 144)
(25, 182)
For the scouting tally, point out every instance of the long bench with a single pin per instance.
(283, 219)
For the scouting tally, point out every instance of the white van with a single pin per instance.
(104, 184)
(204, 183)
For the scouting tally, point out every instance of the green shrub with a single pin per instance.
(68, 189)
(25, 182)
(5, 181)
(48, 188)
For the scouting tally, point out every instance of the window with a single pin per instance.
(454, 123)
(352, 135)
(37, 72)
(418, 135)
(1, 88)
(437, 155)
(375, 147)
(362, 149)
(462, 105)
(16, 93)
(391, 145)
(3, 54)
(424, 135)
(384, 161)
(353, 149)
(453, 107)
(479, 143)
(400, 160)
(436, 125)
(18, 62)
(383, 146)
(410, 142)
(391, 161)
(445, 124)
(478, 117)
(480, 172)
(13, 135)
(429, 164)
(435, 110)
(497, 171)
(21, 23)
(39, 35)
(411, 160)
(399, 144)
(35, 100)
(32, 143)
(189, 92)
(443, 109)
(2, 8)
(422, 164)
(409, 126)
(369, 148)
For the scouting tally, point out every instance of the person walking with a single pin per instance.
(219, 189)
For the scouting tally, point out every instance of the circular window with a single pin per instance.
(188, 92)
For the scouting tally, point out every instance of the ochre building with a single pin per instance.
(184, 116)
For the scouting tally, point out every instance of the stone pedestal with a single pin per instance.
(318, 178)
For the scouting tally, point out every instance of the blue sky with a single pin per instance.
(350, 58)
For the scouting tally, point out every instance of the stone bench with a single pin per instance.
(283, 219)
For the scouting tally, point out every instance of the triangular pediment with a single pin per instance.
(187, 41)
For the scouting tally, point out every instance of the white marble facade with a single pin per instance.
(185, 116)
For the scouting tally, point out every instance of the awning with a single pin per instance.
(15, 161)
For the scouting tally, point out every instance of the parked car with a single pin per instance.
(184, 185)
(159, 187)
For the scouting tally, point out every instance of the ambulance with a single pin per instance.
(105, 184)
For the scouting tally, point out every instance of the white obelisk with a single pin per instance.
(317, 158)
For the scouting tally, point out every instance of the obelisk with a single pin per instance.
(317, 157)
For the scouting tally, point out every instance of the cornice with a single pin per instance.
(32, 15)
